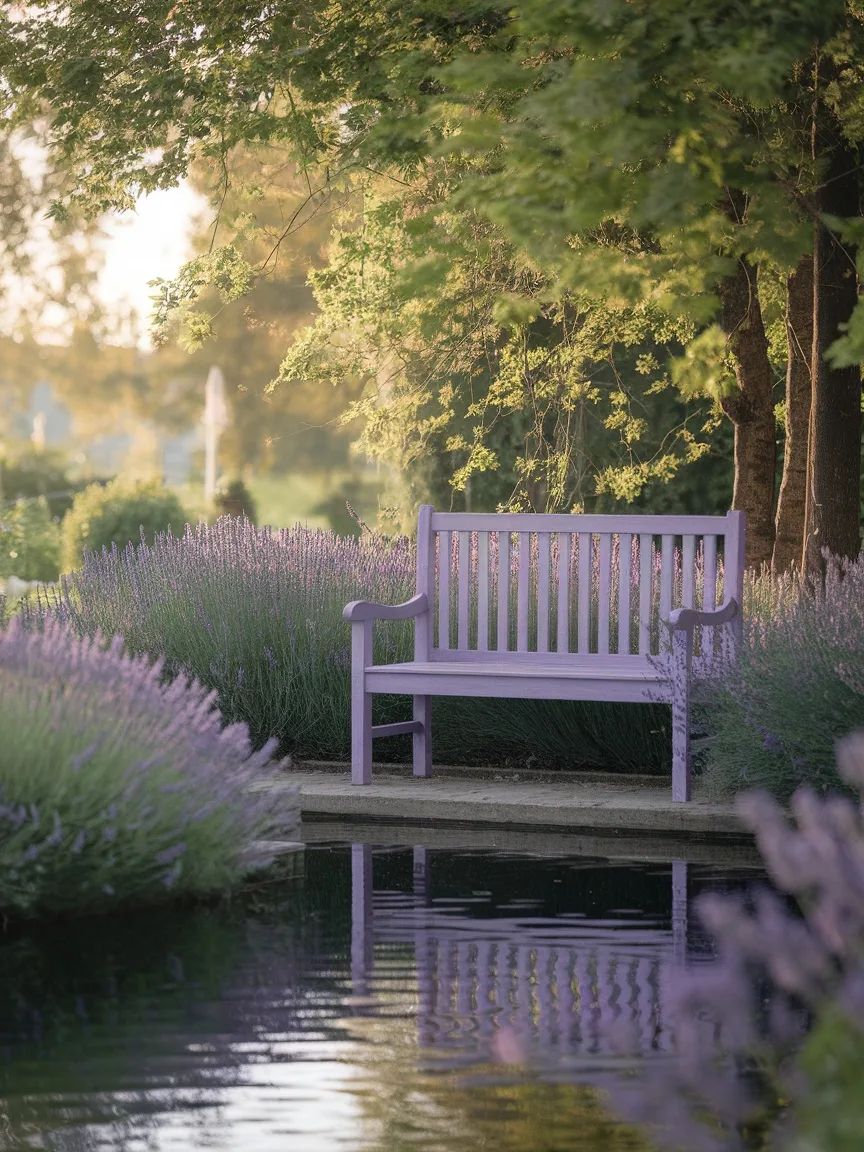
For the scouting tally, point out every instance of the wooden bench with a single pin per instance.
(555, 607)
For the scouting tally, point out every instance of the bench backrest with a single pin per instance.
(550, 585)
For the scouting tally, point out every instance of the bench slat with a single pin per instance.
(445, 557)
(522, 590)
(646, 557)
(524, 682)
(547, 659)
(584, 592)
(603, 594)
(425, 582)
(565, 544)
(688, 573)
(464, 576)
(625, 549)
(503, 591)
(567, 522)
(544, 542)
(709, 590)
(483, 578)
(667, 578)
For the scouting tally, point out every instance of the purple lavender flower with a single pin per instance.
(123, 757)
(776, 973)
(170, 854)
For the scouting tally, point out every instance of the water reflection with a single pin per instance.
(367, 1006)
(519, 985)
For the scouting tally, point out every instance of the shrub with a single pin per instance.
(255, 616)
(118, 786)
(118, 513)
(28, 474)
(29, 541)
(258, 616)
(235, 499)
(798, 685)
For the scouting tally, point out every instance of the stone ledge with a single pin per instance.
(570, 806)
(486, 772)
(728, 853)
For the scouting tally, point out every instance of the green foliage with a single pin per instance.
(29, 541)
(624, 738)
(530, 185)
(29, 474)
(224, 269)
(117, 513)
(796, 688)
(258, 618)
(548, 407)
(119, 786)
(829, 1114)
(235, 499)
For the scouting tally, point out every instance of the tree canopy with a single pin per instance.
(537, 186)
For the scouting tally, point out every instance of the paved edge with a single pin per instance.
(727, 853)
(373, 802)
(523, 775)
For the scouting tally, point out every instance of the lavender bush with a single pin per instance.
(253, 615)
(257, 616)
(798, 685)
(770, 1035)
(118, 786)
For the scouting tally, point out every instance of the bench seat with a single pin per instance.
(572, 678)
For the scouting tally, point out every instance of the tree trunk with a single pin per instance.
(751, 410)
(834, 464)
(789, 522)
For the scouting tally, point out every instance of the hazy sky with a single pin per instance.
(145, 244)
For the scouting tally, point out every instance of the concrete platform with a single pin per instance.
(573, 804)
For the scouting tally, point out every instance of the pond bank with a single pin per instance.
(729, 854)
(580, 803)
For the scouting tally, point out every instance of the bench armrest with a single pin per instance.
(686, 618)
(364, 610)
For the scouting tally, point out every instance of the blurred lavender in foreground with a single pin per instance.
(785, 989)
(118, 786)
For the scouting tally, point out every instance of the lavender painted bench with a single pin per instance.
(555, 607)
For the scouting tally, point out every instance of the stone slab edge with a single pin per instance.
(726, 853)
(682, 818)
(481, 772)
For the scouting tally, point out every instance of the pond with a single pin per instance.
(361, 997)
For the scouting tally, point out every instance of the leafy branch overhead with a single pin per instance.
(523, 189)
(224, 269)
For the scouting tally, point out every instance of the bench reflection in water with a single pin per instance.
(539, 983)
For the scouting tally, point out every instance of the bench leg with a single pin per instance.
(683, 647)
(680, 751)
(361, 704)
(422, 741)
(361, 738)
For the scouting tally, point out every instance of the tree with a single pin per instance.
(791, 503)
(686, 127)
(533, 402)
(261, 212)
(643, 155)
